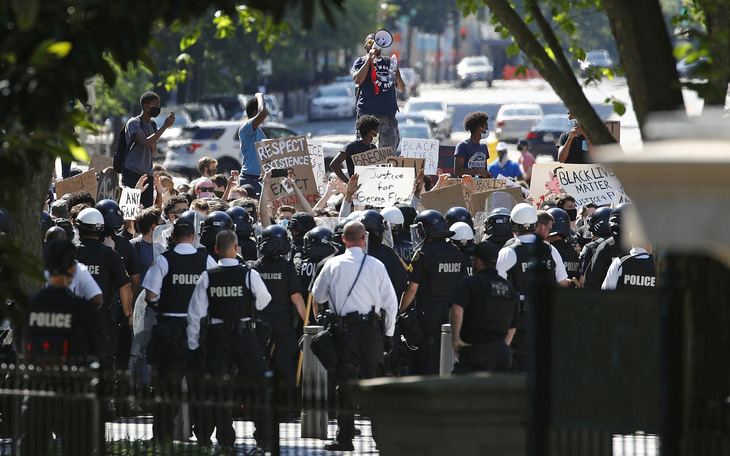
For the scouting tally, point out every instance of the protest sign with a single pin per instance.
(482, 185)
(373, 157)
(585, 183)
(443, 199)
(129, 202)
(101, 162)
(84, 181)
(506, 197)
(427, 149)
(108, 186)
(382, 186)
(292, 154)
(316, 152)
(403, 162)
(446, 158)
(614, 126)
(619, 198)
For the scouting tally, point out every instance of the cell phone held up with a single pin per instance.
(279, 172)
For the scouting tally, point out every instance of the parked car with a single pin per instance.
(515, 120)
(543, 136)
(415, 130)
(476, 68)
(276, 114)
(218, 140)
(412, 82)
(598, 58)
(436, 112)
(404, 118)
(332, 101)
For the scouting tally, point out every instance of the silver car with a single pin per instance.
(437, 113)
(515, 120)
(333, 101)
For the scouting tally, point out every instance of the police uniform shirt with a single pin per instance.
(198, 307)
(158, 271)
(281, 279)
(97, 257)
(508, 258)
(82, 284)
(373, 287)
(490, 307)
(436, 268)
(615, 270)
(570, 257)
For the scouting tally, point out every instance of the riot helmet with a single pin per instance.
(497, 226)
(392, 215)
(113, 216)
(90, 222)
(301, 222)
(430, 224)
(523, 218)
(274, 241)
(214, 223)
(59, 256)
(463, 236)
(337, 240)
(561, 223)
(241, 221)
(598, 221)
(318, 243)
(614, 222)
(458, 214)
(373, 221)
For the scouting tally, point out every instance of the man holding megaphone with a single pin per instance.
(377, 79)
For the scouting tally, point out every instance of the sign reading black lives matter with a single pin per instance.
(292, 154)
(585, 183)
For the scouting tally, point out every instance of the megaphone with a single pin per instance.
(383, 39)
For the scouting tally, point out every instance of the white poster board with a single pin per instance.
(316, 153)
(585, 183)
(384, 185)
(129, 202)
(427, 149)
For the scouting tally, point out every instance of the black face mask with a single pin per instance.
(154, 111)
(572, 213)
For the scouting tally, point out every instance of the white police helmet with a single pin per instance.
(523, 218)
(462, 232)
(392, 215)
(90, 220)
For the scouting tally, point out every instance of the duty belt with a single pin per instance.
(236, 326)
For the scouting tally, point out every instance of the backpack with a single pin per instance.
(120, 149)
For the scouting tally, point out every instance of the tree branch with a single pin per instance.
(550, 38)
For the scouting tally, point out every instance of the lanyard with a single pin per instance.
(353, 284)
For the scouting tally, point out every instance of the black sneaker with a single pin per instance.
(339, 446)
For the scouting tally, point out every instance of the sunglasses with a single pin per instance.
(206, 189)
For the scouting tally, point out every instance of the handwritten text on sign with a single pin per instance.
(373, 156)
(585, 183)
(292, 154)
(316, 152)
(129, 202)
(422, 148)
(384, 186)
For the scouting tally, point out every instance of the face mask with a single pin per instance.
(284, 223)
(375, 137)
(154, 111)
(485, 134)
(572, 213)
(218, 194)
(206, 195)
(503, 158)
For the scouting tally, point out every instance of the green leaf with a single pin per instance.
(190, 38)
(512, 49)
(521, 70)
(60, 49)
(608, 73)
(49, 50)
(619, 107)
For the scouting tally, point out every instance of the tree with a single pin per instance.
(47, 52)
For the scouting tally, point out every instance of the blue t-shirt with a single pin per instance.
(511, 169)
(146, 255)
(382, 103)
(249, 158)
(475, 155)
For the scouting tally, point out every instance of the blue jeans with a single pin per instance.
(253, 181)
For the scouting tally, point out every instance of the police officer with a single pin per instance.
(458, 214)
(375, 226)
(107, 268)
(401, 218)
(169, 285)
(633, 271)
(244, 230)
(484, 315)
(463, 238)
(357, 288)
(497, 227)
(597, 225)
(520, 263)
(60, 329)
(434, 271)
(214, 223)
(558, 237)
(607, 251)
(283, 283)
(319, 246)
(227, 295)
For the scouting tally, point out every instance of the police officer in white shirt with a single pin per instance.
(82, 284)
(633, 271)
(226, 294)
(357, 288)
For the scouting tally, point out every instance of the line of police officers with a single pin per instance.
(236, 316)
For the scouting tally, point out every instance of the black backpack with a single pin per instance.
(120, 149)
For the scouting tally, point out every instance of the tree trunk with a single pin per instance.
(409, 45)
(646, 56)
(565, 84)
(717, 21)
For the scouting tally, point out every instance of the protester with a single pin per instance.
(207, 167)
(574, 146)
(250, 133)
(503, 165)
(470, 156)
(367, 128)
(527, 160)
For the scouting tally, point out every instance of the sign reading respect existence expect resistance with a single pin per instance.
(585, 183)
(291, 154)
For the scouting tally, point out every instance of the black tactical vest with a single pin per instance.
(531, 258)
(179, 283)
(636, 273)
(50, 329)
(570, 257)
(443, 271)
(489, 314)
(229, 297)
(404, 248)
(274, 272)
(92, 253)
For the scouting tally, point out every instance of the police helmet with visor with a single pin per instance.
(274, 241)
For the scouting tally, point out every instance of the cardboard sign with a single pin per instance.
(402, 162)
(585, 183)
(84, 181)
(614, 126)
(443, 199)
(108, 186)
(482, 185)
(479, 199)
(427, 149)
(101, 162)
(382, 186)
(316, 152)
(293, 154)
(373, 157)
(129, 202)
